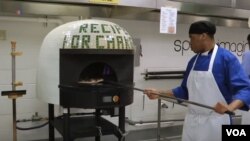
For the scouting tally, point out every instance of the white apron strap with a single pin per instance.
(211, 63)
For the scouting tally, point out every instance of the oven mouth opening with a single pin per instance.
(96, 73)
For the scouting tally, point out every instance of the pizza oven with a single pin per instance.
(74, 58)
(80, 68)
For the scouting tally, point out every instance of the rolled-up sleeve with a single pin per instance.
(180, 92)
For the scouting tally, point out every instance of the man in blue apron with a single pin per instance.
(213, 77)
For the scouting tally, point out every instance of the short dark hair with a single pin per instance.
(248, 37)
(200, 27)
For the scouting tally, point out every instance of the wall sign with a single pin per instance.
(168, 20)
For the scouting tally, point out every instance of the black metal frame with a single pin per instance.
(75, 127)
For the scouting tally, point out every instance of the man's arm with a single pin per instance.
(154, 94)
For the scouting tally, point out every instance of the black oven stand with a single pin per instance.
(92, 125)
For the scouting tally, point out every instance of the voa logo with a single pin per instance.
(236, 132)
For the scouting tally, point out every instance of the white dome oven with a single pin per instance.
(73, 56)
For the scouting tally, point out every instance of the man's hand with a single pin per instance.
(221, 108)
(151, 93)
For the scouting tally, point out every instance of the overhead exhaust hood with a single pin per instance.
(237, 4)
(230, 13)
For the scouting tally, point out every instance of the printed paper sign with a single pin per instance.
(168, 20)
